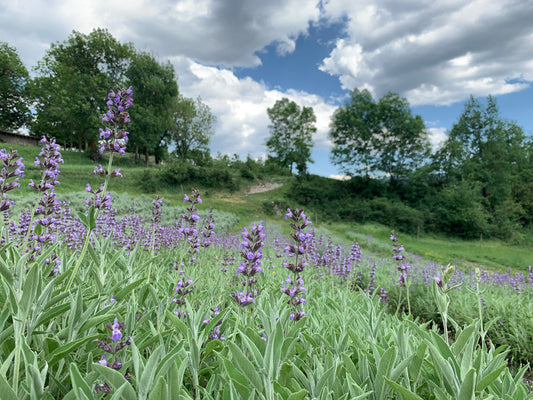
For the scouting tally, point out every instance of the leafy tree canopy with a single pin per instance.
(291, 138)
(13, 97)
(72, 84)
(378, 137)
(156, 92)
(192, 129)
(483, 147)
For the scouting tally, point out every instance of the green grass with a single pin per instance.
(489, 254)
(77, 172)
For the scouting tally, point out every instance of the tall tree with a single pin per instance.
(192, 129)
(156, 91)
(13, 97)
(72, 83)
(383, 136)
(485, 148)
(291, 134)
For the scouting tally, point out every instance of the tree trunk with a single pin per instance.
(146, 156)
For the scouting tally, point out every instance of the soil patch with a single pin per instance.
(263, 187)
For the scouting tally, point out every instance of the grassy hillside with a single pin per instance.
(270, 206)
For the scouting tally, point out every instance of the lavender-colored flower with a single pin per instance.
(302, 239)
(117, 335)
(244, 298)
(12, 171)
(182, 289)
(112, 346)
(103, 361)
(113, 138)
(51, 157)
(189, 227)
(251, 253)
(99, 200)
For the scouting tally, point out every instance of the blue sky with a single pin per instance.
(241, 56)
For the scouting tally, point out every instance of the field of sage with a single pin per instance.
(97, 304)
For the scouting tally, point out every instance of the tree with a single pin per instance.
(155, 90)
(381, 136)
(485, 149)
(72, 84)
(192, 129)
(13, 97)
(291, 138)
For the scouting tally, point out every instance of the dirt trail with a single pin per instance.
(263, 187)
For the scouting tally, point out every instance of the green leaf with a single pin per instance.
(121, 294)
(246, 367)
(298, 395)
(83, 218)
(6, 272)
(93, 321)
(30, 288)
(350, 366)
(237, 378)
(489, 378)
(160, 391)
(35, 383)
(462, 339)
(383, 371)
(7, 392)
(116, 380)
(178, 323)
(468, 385)
(91, 218)
(405, 393)
(445, 371)
(323, 383)
(80, 386)
(147, 377)
(258, 357)
(169, 360)
(51, 313)
(416, 364)
(62, 351)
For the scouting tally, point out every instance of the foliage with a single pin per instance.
(70, 85)
(192, 130)
(490, 153)
(206, 176)
(291, 134)
(258, 353)
(13, 95)
(156, 92)
(382, 137)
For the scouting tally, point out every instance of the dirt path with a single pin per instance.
(264, 187)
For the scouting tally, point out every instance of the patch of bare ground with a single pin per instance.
(263, 187)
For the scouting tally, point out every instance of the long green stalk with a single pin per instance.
(90, 229)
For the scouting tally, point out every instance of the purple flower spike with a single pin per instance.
(113, 138)
(117, 335)
(302, 238)
(251, 253)
(103, 361)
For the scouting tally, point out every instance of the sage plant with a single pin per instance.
(190, 220)
(111, 346)
(43, 217)
(251, 253)
(403, 267)
(113, 140)
(12, 171)
(302, 237)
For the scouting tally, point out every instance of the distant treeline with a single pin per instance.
(478, 184)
